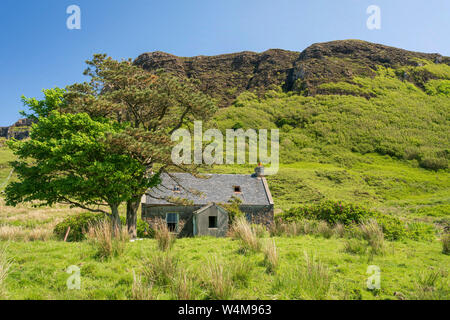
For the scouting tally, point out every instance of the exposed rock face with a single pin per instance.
(19, 130)
(342, 60)
(226, 76)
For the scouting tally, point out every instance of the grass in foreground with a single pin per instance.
(38, 270)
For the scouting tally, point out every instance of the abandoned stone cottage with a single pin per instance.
(202, 213)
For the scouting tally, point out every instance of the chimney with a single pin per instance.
(259, 170)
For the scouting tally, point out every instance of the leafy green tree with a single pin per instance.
(53, 100)
(153, 105)
(68, 160)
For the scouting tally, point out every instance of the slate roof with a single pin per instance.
(217, 188)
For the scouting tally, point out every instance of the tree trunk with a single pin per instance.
(132, 209)
(115, 218)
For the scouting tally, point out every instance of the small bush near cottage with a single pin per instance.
(79, 225)
(348, 214)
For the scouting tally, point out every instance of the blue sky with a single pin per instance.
(38, 51)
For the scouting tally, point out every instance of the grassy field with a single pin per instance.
(389, 153)
(38, 270)
(408, 268)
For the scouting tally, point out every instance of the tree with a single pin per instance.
(68, 160)
(53, 100)
(154, 106)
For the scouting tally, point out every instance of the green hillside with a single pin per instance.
(383, 115)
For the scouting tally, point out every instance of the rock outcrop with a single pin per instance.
(19, 130)
(226, 76)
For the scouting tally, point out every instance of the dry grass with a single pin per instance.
(243, 231)
(107, 241)
(5, 265)
(183, 287)
(25, 223)
(164, 237)
(218, 281)
(324, 230)
(339, 230)
(270, 256)
(373, 233)
(141, 290)
(19, 233)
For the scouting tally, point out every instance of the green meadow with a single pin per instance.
(379, 142)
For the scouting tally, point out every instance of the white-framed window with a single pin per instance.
(172, 219)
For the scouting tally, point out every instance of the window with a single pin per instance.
(172, 221)
(212, 222)
(237, 189)
(176, 189)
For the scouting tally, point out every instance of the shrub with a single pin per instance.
(79, 224)
(242, 230)
(218, 281)
(160, 269)
(373, 233)
(143, 229)
(420, 231)
(434, 163)
(270, 256)
(393, 228)
(446, 243)
(107, 241)
(335, 212)
(330, 211)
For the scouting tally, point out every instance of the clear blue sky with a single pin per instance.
(38, 51)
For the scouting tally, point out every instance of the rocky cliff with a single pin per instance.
(225, 76)
(19, 130)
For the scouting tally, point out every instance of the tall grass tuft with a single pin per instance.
(260, 230)
(309, 282)
(446, 243)
(141, 290)
(373, 233)
(164, 237)
(241, 271)
(432, 285)
(218, 281)
(270, 256)
(243, 231)
(109, 242)
(183, 287)
(5, 265)
(355, 246)
(160, 269)
(339, 230)
(324, 230)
